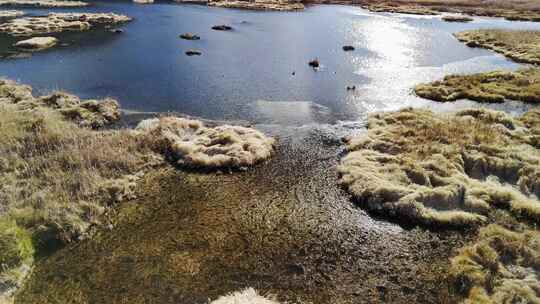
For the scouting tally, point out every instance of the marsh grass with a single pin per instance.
(494, 87)
(519, 45)
(523, 10)
(500, 267)
(445, 170)
(57, 179)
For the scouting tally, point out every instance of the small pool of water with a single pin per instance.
(263, 60)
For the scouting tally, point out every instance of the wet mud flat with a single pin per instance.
(284, 227)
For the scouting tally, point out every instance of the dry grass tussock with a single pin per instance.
(523, 85)
(192, 144)
(446, 169)
(87, 113)
(519, 45)
(501, 267)
(56, 180)
(246, 296)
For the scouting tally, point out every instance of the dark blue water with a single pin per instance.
(146, 69)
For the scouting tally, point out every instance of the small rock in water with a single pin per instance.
(293, 73)
(190, 36)
(37, 43)
(351, 88)
(348, 48)
(193, 53)
(116, 31)
(222, 27)
(314, 63)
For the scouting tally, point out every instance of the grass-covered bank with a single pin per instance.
(522, 85)
(502, 265)
(467, 169)
(446, 170)
(520, 46)
(57, 180)
(520, 10)
(282, 227)
(58, 176)
(61, 169)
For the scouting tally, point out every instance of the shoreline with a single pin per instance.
(290, 225)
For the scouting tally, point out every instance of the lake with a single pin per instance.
(259, 71)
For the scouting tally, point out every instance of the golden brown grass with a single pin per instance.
(445, 170)
(523, 85)
(525, 10)
(57, 179)
(190, 143)
(500, 267)
(519, 45)
(246, 296)
(86, 113)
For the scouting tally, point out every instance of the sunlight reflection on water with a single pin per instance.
(264, 58)
(399, 64)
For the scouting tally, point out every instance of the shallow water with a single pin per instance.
(283, 227)
(147, 70)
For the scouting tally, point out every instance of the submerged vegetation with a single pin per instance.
(446, 170)
(522, 85)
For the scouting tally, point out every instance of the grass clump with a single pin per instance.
(523, 85)
(445, 170)
(190, 143)
(86, 113)
(246, 296)
(501, 267)
(519, 45)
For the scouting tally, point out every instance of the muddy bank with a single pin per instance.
(283, 227)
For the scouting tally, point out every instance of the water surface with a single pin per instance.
(146, 69)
